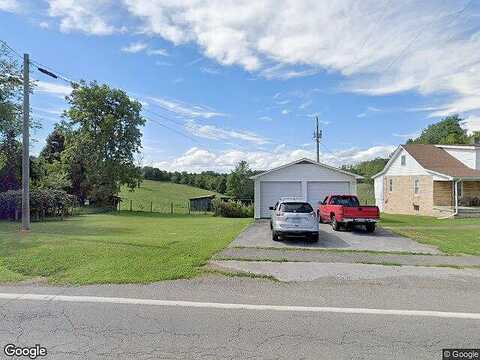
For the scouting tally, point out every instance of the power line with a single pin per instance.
(454, 14)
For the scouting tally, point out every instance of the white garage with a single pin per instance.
(303, 178)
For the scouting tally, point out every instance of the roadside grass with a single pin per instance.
(162, 194)
(451, 236)
(124, 247)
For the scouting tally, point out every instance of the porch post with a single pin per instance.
(455, 191)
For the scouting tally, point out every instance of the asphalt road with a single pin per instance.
(94, 330)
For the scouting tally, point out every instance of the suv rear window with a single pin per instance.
(294, 207)
(349, 201)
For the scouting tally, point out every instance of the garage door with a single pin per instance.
(272, 191)
(318, 190)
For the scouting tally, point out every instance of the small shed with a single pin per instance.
(204, 203)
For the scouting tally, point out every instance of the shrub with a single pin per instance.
(45, 202)
(232, 209)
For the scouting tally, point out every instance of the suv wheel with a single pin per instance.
(275, 236)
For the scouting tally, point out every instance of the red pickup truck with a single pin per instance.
(345, 210)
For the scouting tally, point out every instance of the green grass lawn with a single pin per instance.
(161, 194)
(452, 236)
(114, 248)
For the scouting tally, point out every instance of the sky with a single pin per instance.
(222, 81)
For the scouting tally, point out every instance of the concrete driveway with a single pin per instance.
(259, 235)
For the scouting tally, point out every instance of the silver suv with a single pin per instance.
(293, 217)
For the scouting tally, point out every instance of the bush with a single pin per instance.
(232, 209)
(45, 202)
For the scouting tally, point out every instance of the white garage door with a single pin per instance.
(318, 190)
(272, 191)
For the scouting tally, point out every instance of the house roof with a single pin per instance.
(307, 161)
(435, 159)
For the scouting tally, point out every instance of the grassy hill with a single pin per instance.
(366, 194)
(162, 195)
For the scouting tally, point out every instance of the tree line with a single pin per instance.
(236, 184)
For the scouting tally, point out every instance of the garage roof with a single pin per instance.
(307, 161)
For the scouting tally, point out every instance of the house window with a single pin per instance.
(416, 186)
(460, 189)
(403, 160)
(390, 185)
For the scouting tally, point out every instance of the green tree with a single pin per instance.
(447, 132)
(10, 122)
(102, 136)
(367, 168)
(221, 184)
(239, 184)
(55, 144)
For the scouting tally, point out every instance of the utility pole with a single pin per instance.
(25, 143)
(317, 136)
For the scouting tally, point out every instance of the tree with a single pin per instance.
(367, 168)
(55, 144)
(10, 122)
(102, 136)
(221, 184)
(447, 132)
(239, 184)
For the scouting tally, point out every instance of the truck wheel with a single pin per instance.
(370, 228)
(271, 226)
(274, 236)
(335, 224)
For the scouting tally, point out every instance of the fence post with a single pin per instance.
(131, 205)
(171, 208)
(151, 206)
(188, 208)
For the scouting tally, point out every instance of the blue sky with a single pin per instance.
(243, 80)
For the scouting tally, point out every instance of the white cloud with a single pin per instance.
(88, 16)
(9, 5)
(471, 124)
(361, 115)
(44, 25)
(58, 90)
(216, 133)
(198, 159)
(135, 47)
(160, 52)
(208, 70)
(285, 112)
(280, 39)
(186, 110)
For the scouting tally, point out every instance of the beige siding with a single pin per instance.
(403, 200)
(471, 189)
(443, 193)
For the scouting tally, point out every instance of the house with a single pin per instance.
(303, 178)
(433, 180)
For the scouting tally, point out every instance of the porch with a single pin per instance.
(459, 198)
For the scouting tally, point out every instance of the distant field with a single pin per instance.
(366, 194)
(162, 195)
